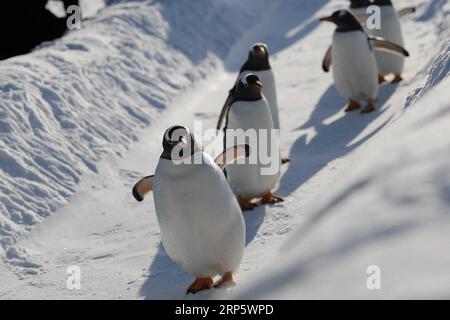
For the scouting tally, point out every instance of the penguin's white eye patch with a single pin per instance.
(174, 136)
(244, 82)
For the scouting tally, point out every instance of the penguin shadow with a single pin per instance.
(332, 140)
(432, 7)
(166, 280)
(253, 221)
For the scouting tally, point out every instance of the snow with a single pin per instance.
(82, 120)
(89, 7)
(87, 96)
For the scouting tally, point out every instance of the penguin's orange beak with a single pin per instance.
(328, 19)
(259, 84)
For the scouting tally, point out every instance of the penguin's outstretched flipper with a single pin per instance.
(381, 44)
(142, 188)
(231, 154)
(225, 108)
(406, 11)
(327, 61)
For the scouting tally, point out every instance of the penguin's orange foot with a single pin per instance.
(369, 108)
(381, 79)
(200, 284)
(225, 281)
(398, 78)
(269, 198)
(285, 160)
(246, 204)
(352, 106)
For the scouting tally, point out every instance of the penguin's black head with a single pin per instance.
(365, 3)
(178, 143)
(259, 51)
(248, 88)
(344, 20)
(258, 58)
(354, 4)
(382, 2)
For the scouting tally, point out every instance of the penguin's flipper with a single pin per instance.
(142, 188)
(232, 154)
(381, 44)
(406, 11)
(327, 61)
(361, 18)
(225, 108)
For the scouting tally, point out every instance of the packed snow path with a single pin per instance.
(115, 240)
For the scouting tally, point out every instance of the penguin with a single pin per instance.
(359, 8)
(202, 227)
(249, 110)
(258, 63)
(391, 30)
(354, 65)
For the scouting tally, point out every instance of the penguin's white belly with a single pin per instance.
(269, 91)
(354, 66)
(202, 228)
(256, 179)
(390, 30)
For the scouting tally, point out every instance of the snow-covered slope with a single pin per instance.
(392, 211)
(71, 103)
(82, 120)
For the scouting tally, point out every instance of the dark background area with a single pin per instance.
(26, 24)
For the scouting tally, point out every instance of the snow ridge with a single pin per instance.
(390, 211)
(68, 105)
(439, 12)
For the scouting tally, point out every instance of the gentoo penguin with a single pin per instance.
(390, 30)
(258, 63)
(250, 113)
(354, 66)
(201, 223)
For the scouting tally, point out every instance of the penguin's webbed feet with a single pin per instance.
(285, 160)
(200, 284)
(352, 106)
(225, 281)
(381, 79)
(369, 108)
(270, 198)
(246, 204)
(398, 78)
